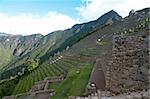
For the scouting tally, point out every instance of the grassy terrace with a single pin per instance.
(77, 70)
(60, 67)
(74, 84)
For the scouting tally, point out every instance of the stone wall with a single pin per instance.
(127, 71)
(39, 90)
(56, 79)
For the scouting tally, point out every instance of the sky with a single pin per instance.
(44, 16)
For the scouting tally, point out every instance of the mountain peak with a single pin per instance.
(113, 11)
(111, 14)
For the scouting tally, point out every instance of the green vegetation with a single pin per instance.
(6, 87)
(5, 56)
(58, 68)
(32, 64)
(75, 83)
(58, 41)
(26, 82)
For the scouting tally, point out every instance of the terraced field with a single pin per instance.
(57, 66)
(75, 83)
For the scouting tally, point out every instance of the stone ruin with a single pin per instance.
(39, 90)
(43, 85)
(127, 73)
(56, 79)
(128, 69)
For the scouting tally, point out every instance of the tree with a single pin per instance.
(32, 64)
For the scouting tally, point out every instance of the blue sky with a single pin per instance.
(41, 7)
(44, 16)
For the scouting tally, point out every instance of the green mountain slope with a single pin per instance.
(58, 41)
(5, 56)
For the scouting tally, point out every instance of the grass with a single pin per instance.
(75, 83)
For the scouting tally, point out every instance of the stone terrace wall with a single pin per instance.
(128, 69)
(39, 90)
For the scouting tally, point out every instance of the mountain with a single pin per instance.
(107, 33)
(16, 46)
(38, 46)
(20, 45)
(79, 31)
(5, 56)
(111, 49)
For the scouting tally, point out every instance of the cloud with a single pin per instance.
(92, 9)
(29, 24)
(88, 10)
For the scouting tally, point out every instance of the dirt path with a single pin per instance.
(97, 76)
